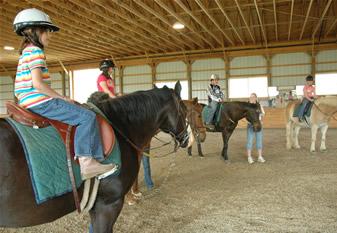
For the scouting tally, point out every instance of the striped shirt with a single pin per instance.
(32, 58)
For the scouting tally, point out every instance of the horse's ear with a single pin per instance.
(177, 88)
(195, 100)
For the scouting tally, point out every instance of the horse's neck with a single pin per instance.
(327, 105)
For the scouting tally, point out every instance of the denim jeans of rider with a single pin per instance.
(212, 106)
(250, 138)
(87, 137)
(301, 110)
(147, 172)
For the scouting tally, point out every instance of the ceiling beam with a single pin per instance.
(181, 20)
(321, 19)
(151, 22)
(306, 19)
(275, 20)
(189, 12)
(229, 20)
(261, 23)
(291, 18)
(168, 23)
(244, 20)
(107, 15)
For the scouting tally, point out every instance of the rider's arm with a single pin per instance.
(105, 88)
(41, 86)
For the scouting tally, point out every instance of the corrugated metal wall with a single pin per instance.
(326, 61)
(201, 73)
(7, 88)
(137, 78)
(290, 69)
(171, 71)
(6, 92)
(248, 66)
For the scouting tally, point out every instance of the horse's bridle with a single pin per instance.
(324, 112)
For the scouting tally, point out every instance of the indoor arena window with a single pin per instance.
(243, 87)
(326, 84)
(184, 87)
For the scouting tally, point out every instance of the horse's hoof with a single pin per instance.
(137, 195)
(312, 151)
(201, 155)
(323, 150)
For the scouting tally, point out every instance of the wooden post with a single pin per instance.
(189, 77)
(227, 60)
(153, 72)
(313, 62)
(121, 74)
(63, 80)
(268, 59)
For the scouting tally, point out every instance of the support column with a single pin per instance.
(189, 77)
(313, 62)
(227, 61)
(63, 80)
(268, 61)
(153, 72)
(121, 74)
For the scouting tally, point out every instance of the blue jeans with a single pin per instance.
(87, 137)
(302, 107)
(212, 106)
(147, 172)
(250, 137)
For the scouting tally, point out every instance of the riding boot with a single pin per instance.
(209, 126)
(90, 167)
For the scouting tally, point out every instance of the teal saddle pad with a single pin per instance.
(217, 114)
(307, 110)
(47, 161)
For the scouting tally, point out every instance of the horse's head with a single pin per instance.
(173, 117)
(194, 118)
(253, 116)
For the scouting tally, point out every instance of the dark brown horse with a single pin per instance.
(137, 116)
(194, 118)
(231, 113)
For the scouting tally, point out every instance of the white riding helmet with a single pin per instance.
(214, 77)
(32, 17)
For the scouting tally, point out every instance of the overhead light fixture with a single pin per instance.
(178, 25)
(10, 48)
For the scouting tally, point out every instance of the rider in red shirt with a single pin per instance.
(309, 94)
(104, 81)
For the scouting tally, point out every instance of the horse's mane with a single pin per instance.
(134, 108)
(327, 100)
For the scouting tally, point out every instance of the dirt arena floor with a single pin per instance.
(294, 191)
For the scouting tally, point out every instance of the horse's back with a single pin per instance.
(16, 193)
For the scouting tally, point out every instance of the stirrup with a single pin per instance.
(108, 173)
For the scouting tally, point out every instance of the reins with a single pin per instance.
(332, 115)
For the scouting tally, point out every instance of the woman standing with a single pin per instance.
(33, 91)
(104, 81)
(258, 135)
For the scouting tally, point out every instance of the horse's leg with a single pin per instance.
(103, 217)
(295, 138)
(225, 137)
(314, 129)
(324, 129)
(289, 134)
(189, 151)
(199, 149)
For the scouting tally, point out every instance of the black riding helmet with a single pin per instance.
(106, 63)
(309, 78)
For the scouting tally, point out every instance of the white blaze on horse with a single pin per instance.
(322, 111)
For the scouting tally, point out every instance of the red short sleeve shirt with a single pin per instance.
(109, 82)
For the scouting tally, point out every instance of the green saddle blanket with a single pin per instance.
(217, 115)
(47, 161)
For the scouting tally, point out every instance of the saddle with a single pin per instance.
(31, 119)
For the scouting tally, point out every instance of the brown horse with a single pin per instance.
(137, 116)
(194, 118)
(322, 111)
